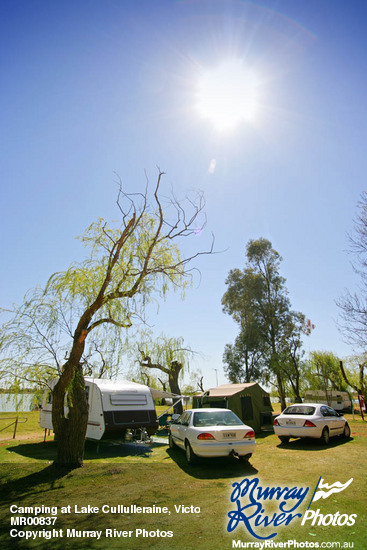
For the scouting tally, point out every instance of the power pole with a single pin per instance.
(216, 374)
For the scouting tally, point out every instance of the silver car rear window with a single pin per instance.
(299, 409)
(216, 418)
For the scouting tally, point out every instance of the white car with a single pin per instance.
(212, 433)
(310, 420)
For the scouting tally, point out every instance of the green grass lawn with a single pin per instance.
(153, 475)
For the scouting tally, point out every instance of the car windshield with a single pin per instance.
(216, 418)
(299, 409)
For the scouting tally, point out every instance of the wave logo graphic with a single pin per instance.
(324, 490)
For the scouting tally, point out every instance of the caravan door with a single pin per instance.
(96, 425)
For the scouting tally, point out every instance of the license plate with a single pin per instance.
(229, 435)
(290, 423)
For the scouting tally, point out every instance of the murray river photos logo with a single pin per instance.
(251, 500)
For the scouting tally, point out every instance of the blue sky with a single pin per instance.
(90, 88)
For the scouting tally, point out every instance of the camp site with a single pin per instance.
(183, 282)
(249, 401)
(105, 481)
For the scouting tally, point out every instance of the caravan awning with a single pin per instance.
(160, 394)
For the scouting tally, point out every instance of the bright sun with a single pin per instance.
(228, 95)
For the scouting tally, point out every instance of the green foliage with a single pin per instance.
(355, 369)
(164, 349)
(269, 343)
(79, 285)
(193, 385)
(323, 372)
(168, 355)
(243, 360)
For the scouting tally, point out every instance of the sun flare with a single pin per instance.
(228, 95)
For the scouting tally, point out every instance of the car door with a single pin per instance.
(178, 430)
(184, 427)
(331, 420)
(338, 421)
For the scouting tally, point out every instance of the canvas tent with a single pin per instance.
(249, 401)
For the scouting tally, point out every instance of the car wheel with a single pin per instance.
(190, 455)
(346, 432)
(171, 443)
(284, 438)
(325, 438)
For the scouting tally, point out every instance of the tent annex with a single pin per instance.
(249, 401)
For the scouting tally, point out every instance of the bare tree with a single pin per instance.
(353, 305)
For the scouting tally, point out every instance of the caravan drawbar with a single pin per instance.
(115, 406)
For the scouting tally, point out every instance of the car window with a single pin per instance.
(179, 419)
(185, 418)
(324, 411)
(299, 409)
(216, 418)
(331, 412)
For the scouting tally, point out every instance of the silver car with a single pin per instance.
(310, 420)
(212, 433)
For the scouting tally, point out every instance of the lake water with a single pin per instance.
(14, 403)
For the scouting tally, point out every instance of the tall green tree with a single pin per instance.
(244, 360)
(128, 266)
(257, 299)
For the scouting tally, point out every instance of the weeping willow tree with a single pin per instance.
(128, 265)
(170, 356)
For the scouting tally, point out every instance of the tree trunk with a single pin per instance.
(295, 387)
(175, 370)
(164, 386)
(70, 426)
(281, 394)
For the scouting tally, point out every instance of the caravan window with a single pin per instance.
(130, 399)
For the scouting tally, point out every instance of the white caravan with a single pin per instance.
(338, 400)
(114, 407)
